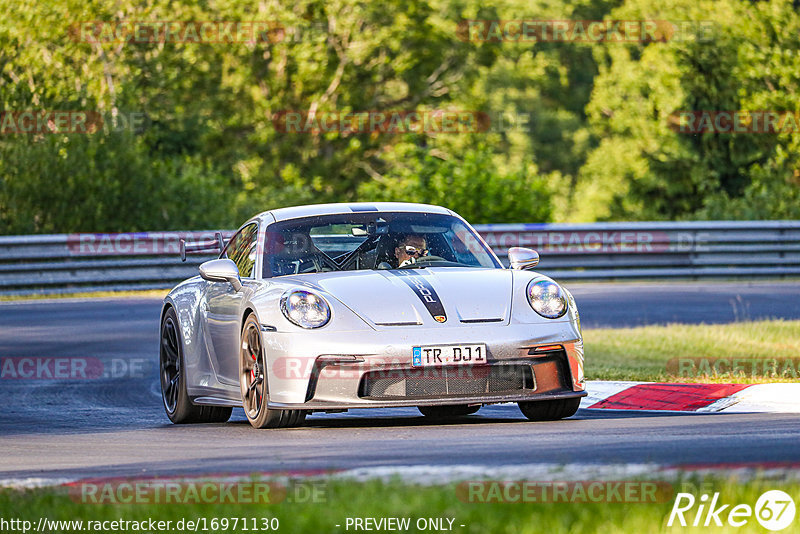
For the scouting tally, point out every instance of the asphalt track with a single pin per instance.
(115, 426)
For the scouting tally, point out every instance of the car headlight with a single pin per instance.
(547, 298)
(305, 309)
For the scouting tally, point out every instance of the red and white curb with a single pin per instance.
(704, 398)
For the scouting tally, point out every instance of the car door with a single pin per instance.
(224, 305)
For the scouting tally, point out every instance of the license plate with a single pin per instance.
(434, 355)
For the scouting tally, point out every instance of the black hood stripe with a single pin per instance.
(425, 291)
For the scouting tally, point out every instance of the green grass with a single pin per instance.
(343, 499)
(643, 353)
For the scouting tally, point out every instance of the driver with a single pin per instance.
(409, 249)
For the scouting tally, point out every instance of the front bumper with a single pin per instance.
(329, 370)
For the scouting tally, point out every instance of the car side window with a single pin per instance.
(242, 249)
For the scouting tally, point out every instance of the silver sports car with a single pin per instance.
(330, 307)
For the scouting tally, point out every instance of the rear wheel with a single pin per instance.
(448, 412)
(254, 386)
(177, 404)
(549, 410)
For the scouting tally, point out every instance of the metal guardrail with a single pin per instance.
(67, 263)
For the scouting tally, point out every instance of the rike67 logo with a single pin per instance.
(774, 510)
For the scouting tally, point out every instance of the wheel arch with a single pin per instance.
(164, 308)
(248, 310)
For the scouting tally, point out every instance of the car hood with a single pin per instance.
(421, 296)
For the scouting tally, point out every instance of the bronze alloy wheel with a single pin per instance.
(254, 384)
(251, 370)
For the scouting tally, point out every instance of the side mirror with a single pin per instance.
(221, 270)
(523, 258)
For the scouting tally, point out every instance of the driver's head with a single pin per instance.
(409, 248)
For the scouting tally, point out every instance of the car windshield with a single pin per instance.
(366, 241)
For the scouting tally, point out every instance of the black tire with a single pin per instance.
(448, 412)
(177, 404)
(549, 410)
(254, 385)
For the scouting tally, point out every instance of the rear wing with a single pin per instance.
(217, 244)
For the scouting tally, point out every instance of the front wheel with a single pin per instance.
(448, 412)
(177, 404)
(254, 386)
(549, 410)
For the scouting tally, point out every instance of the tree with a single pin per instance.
(643, 168)
(470, 184)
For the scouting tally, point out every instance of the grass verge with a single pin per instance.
(339, 500)
(767, 351)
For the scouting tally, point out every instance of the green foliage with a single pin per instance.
(579, 131)
(210, 154)
(108, 183)
(469, 184)
(643, 169)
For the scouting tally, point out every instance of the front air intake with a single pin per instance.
(447, 382)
